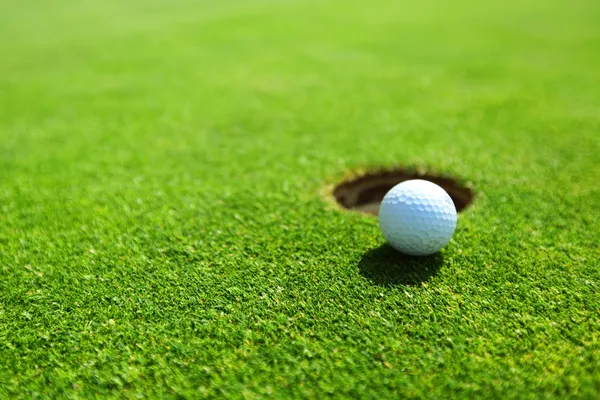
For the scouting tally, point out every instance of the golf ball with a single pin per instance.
(417, 217)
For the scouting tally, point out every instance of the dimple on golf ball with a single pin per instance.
(417, 217)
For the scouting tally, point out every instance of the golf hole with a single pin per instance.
(364, 192)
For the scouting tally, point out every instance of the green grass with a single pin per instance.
(162, 225)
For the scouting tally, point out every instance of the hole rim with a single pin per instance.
(364, 190)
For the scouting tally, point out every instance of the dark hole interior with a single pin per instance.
(365, 193)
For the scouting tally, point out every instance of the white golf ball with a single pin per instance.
(417, 217)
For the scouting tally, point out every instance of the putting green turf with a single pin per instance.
(163, 229)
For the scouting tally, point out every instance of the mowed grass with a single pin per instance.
(163, 228)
